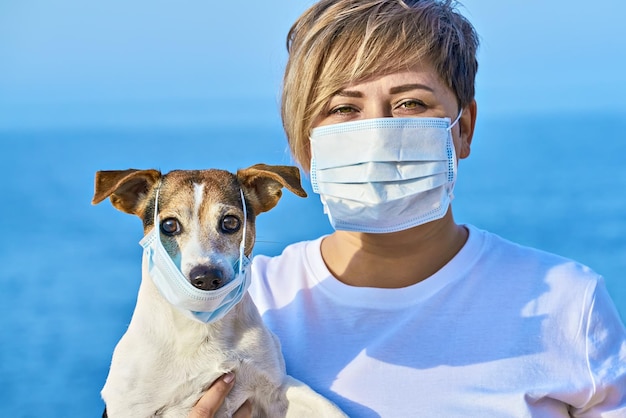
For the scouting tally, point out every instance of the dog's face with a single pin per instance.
(201, 224)
(200, 212)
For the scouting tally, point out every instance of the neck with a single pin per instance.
(164, 325)
(393, 260)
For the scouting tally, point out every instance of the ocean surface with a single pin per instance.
(70, 271)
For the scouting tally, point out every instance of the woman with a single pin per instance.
(401, 311)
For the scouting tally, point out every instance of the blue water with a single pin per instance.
(70, 270)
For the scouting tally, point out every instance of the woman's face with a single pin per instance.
(416, 93)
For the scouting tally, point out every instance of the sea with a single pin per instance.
(70, 270)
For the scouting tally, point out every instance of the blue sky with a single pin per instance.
(146, 61)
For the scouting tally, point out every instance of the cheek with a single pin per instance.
(250, 237)
(172, 246)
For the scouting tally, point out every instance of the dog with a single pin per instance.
(167, 358)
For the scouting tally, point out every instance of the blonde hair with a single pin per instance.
(339, 42)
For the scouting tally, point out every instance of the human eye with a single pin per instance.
(410, 106)
(341, 107)
(342, 110)
(339, 113)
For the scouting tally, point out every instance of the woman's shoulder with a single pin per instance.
(524, 262)
(506, 247)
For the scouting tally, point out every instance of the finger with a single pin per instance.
(244, 411)
(211, 401)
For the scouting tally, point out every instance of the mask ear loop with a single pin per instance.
(242, 246)
(156, 206)
(450, 153)
(455, 120)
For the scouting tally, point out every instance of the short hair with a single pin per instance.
(338, 42)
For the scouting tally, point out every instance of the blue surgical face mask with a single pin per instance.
(384, 175)
(202, 305)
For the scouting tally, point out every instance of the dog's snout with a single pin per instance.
(206, 278)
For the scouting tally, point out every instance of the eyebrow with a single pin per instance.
(394, 90)
(408, 87)
(349, 93)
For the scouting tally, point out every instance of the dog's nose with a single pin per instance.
(206, 278)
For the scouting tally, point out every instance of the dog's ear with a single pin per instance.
(265, 182)
(127, 189)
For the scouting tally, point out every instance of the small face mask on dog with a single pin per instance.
(202, 305)
(386, 174)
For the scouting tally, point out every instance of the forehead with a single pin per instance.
(183, 187)
(418, 77)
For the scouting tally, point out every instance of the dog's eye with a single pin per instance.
(230, 224)
(170, 226)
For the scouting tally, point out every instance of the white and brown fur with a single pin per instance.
(165, 360)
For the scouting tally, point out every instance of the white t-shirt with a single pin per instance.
(500, 331)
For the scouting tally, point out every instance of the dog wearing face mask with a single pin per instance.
(194, 320)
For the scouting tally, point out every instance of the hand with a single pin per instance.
(211, 401)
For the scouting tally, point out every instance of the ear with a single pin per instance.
(467, 124)
(128, 189)
(264, 184)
